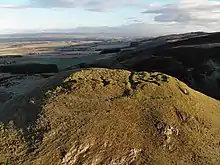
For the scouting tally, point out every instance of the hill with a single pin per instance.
(193, 58)
(102, 116)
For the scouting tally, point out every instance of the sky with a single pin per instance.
(140, 16)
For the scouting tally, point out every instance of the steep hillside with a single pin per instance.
(192, 58)
(102, 116)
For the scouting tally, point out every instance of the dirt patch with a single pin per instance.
(102, 116)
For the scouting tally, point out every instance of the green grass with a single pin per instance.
(6, 163)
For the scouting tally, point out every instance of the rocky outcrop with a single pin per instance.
(29, 68)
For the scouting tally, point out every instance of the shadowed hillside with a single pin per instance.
(192, 58)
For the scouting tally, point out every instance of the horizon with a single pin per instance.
(151, 18)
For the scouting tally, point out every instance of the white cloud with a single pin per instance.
(13, 6)
(198, 12)
(91, 5)
(183, 16)
(143, 29)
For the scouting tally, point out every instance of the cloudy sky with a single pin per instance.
(143, 16)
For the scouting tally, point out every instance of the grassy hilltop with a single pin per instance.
(102, 116)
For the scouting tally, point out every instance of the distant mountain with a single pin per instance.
(131, 30)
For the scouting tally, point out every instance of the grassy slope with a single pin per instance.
(105, 116)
